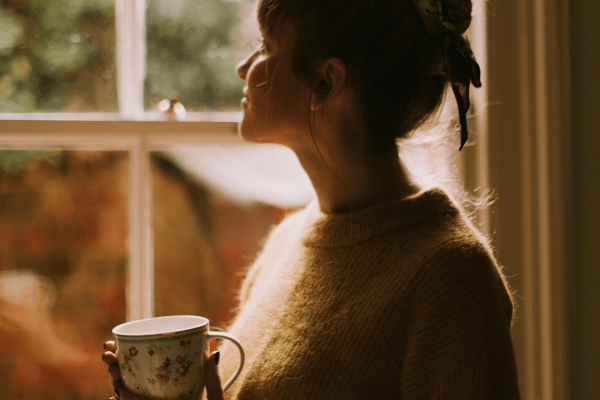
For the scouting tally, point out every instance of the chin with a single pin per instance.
(243, 129)
(250, 134)
(246, 132)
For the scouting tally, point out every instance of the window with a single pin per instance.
(110, 210)
(62, 55)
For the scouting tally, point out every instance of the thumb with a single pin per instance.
(214, 390)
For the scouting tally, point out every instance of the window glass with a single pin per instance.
(214, 204)
(63, 257)
(192, 50)
(63, 249)
(57, 55)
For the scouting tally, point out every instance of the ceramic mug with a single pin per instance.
(164, 357)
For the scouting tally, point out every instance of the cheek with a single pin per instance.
(275, 93)
(257, 78)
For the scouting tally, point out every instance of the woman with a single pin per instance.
(378, 289)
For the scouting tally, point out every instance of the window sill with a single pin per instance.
(149, 122)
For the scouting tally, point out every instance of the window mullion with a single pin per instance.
(131, 53)
(130, 21)
(140, 273)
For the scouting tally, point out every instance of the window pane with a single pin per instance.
(57, 55)
(63, 255)
(192, 50)
(212, 210)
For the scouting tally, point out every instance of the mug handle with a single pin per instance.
(236, 342)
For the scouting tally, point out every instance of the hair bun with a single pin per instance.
(442, 16)
(457, 13)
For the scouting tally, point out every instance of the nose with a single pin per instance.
(242, 68)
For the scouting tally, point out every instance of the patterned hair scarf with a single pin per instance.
(457, 59)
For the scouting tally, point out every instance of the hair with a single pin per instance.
(391, 59)
(392, 63)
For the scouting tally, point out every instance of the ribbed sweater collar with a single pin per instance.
(338, 230)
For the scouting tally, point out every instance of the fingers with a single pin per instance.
(214, 390)
(109, 358)
(114, 379)
(118, 387)
(114, 373)
(110, 346)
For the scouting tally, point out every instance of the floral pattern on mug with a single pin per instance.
(158, 369)
(173, 371)
(133, 352)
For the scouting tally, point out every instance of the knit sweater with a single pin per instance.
(398, 301)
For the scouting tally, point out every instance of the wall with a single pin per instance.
(540, 113)
(585, 86)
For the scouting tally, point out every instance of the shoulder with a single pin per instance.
(428, 245)
(462, 310)
(460, 267)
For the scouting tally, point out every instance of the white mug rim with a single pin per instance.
(197, 324)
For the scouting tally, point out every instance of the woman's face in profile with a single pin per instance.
(275, 101)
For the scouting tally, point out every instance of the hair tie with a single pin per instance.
(458, 61)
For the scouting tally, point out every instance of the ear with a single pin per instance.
(332, 78)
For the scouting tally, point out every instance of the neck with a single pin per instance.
(353, 179)
(350, 167)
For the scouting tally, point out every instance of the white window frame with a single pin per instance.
(522, 154)
(138, 138)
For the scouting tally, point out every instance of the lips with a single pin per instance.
(244, 102)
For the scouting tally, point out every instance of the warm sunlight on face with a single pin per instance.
(275, 102)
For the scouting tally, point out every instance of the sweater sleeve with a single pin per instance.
(458, 344)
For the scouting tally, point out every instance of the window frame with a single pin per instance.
(139, 139)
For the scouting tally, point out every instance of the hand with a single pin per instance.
(214, 389)
(114, 375)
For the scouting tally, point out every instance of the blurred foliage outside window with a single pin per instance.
(59, 55)
(192, 50)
